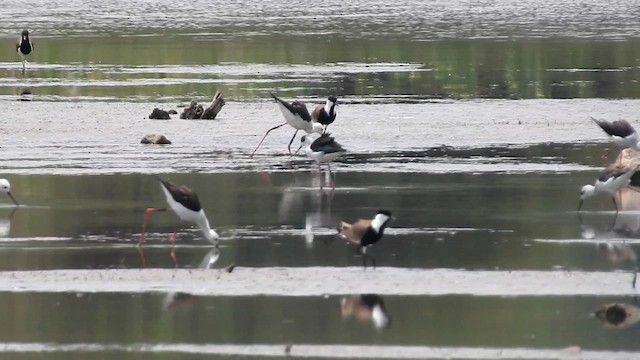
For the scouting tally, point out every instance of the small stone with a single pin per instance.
(173, 112)
(155, 139)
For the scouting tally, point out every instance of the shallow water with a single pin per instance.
(469, 120)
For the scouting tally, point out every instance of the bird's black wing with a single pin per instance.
(295, 107)
(183, 195)
(326, 144)
(613, 171)
(620, 128)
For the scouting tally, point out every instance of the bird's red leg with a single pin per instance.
(333, 183)
(265, 135)
(321, 177)
(172, 240)
(143, 260)
(143, 231)
(291, 142)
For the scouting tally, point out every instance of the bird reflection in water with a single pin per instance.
(365, 308)
(175, 300)
(619, 316)
(5, 222)
(612, 237)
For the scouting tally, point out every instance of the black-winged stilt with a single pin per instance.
(620, 132)
(366, 307)
(612, 179)
(5, 187)
(322, 150)
(24, 47)
(184, 203)
(365, 233)
(325, 114)
(296, 115)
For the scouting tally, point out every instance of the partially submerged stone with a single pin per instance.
(159, 114)
(155, 139)
(196, 111)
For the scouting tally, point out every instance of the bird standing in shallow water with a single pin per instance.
(322, 150)
(24, 47)
(325, 114)
(185, 203)
(5, 187)
(296, 115)
(612, 179)
(365, 233)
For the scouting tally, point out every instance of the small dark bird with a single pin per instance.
(296, 115)
(24, 47)
(365, 233)
(325, 114)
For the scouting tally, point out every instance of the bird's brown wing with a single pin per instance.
(183, 195)
(354, 232)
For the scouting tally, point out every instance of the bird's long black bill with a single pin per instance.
(12, 198)
(297, 150)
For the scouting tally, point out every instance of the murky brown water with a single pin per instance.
(487, 257)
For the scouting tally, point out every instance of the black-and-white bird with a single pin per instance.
(612, 179)
(297, 116)
(322, 150)
(185, 203)
(5, 187)
(366, 307)
(24, 47)
(365, 233)
(325, 114)
(620, 132)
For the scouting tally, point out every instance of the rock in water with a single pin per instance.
(159, 114)
(155, 139)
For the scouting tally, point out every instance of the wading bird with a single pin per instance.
(365, 233)
(612, 179)
(297, 116)
(5, 187)
(620, 132)
(325, 114)
(24, 47)
(322, 150)
(186, 205)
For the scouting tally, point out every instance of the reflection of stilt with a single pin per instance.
(143, 260)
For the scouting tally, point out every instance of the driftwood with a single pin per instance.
(196, 111)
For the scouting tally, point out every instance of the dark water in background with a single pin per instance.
(477, 179)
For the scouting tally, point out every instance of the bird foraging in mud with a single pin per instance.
(325, 114)
(322, 150)
(24, 47)
(612, 179)
(185, 203)
(620, 132)
(5, 187)
(365, 233)
(297, 116)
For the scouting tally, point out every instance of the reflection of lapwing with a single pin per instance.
(184, 203)
(5, 187)
(24, 47)
(297, 116)
(366, 307)
(621, 132)
(325, 114)
(322, 150)
(366, 233)
(612, 179)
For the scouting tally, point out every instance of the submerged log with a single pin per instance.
(155, 139)
(196, 111)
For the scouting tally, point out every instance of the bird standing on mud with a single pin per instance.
(185, 203)
(297, 116)
(24, 47)
(365, 233)
(325, 114)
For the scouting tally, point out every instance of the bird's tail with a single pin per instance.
(342, 227)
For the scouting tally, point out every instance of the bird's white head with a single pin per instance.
(332, 101)
(587, 191)
(381, 219)
(5, 186)
(212, 236)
